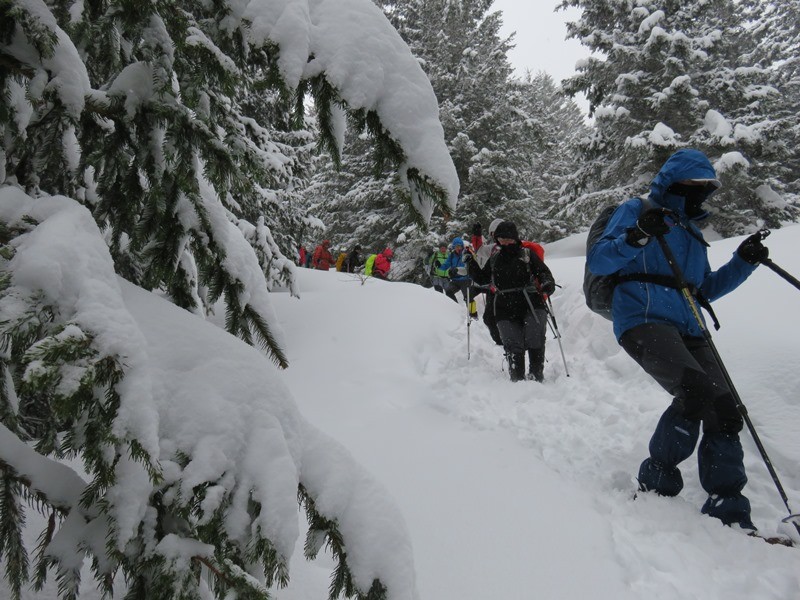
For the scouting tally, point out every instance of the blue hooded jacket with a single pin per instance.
(456, 260)
(634, 302)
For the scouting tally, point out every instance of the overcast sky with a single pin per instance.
(540, 39)
(541, 43)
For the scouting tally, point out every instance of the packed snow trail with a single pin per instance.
(520, 490)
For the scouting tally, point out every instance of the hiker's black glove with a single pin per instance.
(651, 223)
(452, 272)
(752, 250)
(548, 287)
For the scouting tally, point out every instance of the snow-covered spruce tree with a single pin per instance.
(777, 27)
(466, 58)
(461, 50)
(675, 74)
(361, 202)
(549, 158)
(157, 135)
(151, 141)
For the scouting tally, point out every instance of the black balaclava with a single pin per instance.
(694, 196)
(507, 229)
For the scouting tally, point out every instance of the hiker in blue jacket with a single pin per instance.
(654, 324)
(456, 269)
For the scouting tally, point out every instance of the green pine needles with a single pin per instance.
(179, 136)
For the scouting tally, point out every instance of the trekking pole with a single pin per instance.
(687, 294)
(558, 335)
(762, 234)
(768, 263)
(469, 318)
(556, 332)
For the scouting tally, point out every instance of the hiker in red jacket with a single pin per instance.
(476, 239)
(301, 255)
(383, 262)
(322, 259)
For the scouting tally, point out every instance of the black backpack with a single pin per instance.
(599, 289)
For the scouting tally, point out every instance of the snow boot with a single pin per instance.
(536, 364)
(516, 367)
(673, 442)
(721, 468)
(654, 476)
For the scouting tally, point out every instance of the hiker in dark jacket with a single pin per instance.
(653, 323)
(519, 278)
(354, 260)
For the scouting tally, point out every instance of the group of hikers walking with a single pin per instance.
(511, 275)
(654, 258)
(374, 265)
(647, 270)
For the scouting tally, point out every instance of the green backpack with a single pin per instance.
(369, 264)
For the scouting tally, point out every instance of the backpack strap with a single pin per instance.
(669, 280)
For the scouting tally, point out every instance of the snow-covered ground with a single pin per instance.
(519, 490)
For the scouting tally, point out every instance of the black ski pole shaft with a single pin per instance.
(762, 234)
(687, 294)
(768, 263)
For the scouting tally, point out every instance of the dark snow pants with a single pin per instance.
(491, 321)
(459, 285)
(686, 367)
(528, 334)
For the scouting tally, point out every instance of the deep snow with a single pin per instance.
(518, 490)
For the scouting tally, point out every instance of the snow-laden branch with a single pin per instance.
(60, 484)
(50, 50)
(359, 52)
(222, 428)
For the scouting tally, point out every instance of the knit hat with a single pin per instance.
(493, 226)
(506, 229)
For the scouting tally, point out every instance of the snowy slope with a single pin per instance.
(510, 490)
(520, 491)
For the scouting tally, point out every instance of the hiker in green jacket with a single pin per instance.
(435, 271)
